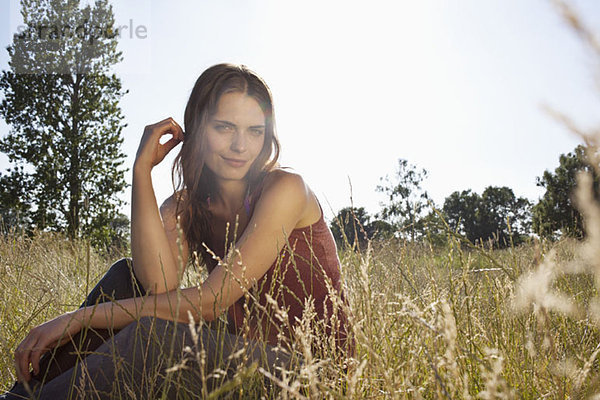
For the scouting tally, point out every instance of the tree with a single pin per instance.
(379, 229)
(497, 215)
(62, 105)
(462, 213)
(555, 213)
(14, 199)
(349, 226)
(434, 228)
(407, 200)
(504, 215)
(353, 226)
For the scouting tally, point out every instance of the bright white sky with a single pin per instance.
(455, 87)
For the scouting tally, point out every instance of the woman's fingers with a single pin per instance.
(168, 126)
(29, 353)
(170, 144)
(34, 358)
(40, 339)
(22, 356)
(178, 134)
(151, 150)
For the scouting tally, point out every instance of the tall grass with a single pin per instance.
(40, 277)
(453, 322)
(428, 322)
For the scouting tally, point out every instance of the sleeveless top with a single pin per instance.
(305, 277)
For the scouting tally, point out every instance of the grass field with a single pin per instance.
(458, 321)
(452, 322)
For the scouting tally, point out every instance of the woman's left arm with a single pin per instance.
(285, 201)
(282, 205)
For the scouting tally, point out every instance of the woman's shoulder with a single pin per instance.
(290, 188)
(169, 207)
(286, 181)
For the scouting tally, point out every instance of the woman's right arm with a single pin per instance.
(154, 239)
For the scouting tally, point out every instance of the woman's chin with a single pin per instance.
(232, 176)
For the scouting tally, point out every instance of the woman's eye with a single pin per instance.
(223, 128)
(257, 132)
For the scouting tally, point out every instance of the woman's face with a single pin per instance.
(235, 135)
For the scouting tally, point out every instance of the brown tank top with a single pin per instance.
(301, 274)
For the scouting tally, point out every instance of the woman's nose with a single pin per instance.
(238, 144)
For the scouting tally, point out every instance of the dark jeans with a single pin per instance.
(147, 358)
(118, 283)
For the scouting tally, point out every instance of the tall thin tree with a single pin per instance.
(407, 200)
(62, 104)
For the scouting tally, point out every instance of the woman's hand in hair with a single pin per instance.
(151, 152)
(154, 263)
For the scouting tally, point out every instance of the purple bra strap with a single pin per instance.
(247, 205)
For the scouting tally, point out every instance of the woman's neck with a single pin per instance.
(230, 196)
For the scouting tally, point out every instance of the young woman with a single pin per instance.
(260, 231)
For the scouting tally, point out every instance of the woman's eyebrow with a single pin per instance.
(220, 121)
(224, 122)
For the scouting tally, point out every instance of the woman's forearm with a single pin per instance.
(173, 305)
(153, 263)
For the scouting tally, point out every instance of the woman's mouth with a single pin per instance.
(234, 162)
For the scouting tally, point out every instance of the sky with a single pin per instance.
(458, 88)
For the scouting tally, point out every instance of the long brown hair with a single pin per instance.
(194, 182)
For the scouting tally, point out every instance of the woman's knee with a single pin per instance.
(119, 282)
(155, 332)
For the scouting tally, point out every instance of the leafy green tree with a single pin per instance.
(353, 226)
(505, 215)
(555, 214)
(434, 228)
(15, 199)
(349, 226)
(407, 200)
(379, 229)
(462, 213)
(497, 215)
(61, 102)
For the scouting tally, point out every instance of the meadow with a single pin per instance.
(458, 321)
